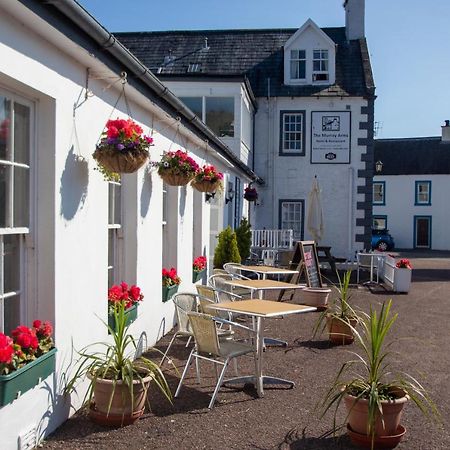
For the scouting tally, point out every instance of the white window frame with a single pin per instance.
(295, 61)
(24, 233)
(287, 224)
(324, 62)
(115, 231)
(423, 187)
(283, 141)
(382, 192)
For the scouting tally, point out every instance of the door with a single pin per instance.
(422, 231)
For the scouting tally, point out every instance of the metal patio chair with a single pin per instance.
(208, 347)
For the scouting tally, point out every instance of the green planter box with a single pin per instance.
(130, 314)
(197, 275)
(168, 291)
(16, 383)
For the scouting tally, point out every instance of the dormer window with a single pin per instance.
(298, 64)
(320, 65)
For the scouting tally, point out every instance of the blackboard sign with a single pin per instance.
(310, 262)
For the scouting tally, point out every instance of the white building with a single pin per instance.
(410, 195)
(294, 103)
(59, 81)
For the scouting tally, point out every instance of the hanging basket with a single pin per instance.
(120, 162)
(251, 196)
(176, 180)
(205, 186)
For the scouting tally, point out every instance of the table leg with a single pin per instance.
(258, 357)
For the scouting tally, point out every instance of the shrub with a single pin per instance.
(227, 249)
(244, 238)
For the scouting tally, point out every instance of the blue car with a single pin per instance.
(382, 240)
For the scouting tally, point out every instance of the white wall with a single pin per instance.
(400, 209)
(68, 246)
(290, 177)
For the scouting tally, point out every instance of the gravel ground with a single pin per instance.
(287, 418)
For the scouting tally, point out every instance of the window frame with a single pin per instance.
(320, 60)
(25, 234)
(383, 201)
(417, 184)
(298, 60)
(280, 215)
(379, 217)
(287, 152)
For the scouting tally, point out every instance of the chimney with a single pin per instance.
(446, 132)
(354, 19)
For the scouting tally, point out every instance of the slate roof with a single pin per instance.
(255, 54)
(413, 156)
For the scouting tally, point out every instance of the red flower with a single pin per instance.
(135, 293)
(25, 337)
(6, 349)
(199, 263)
(124, 293)
(37, 324)
(404, 264)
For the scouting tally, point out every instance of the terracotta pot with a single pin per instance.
(120, 162)
(205, 186)
(113, 420)
(358, 415)
(362, 440)
(339, 332)
(121, 399)
(317, 297)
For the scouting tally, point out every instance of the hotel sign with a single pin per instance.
(330, 137)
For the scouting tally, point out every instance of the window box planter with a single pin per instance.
(399, 279)
(16, 383)
(130, 314)
(168, 291)
(196, 276)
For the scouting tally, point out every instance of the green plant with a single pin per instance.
(244, 238)
(375, 383)
(115, 362)
(227, 248)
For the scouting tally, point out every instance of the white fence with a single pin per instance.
(273, 239)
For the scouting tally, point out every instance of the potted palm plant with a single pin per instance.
(118, 383)
(375, 397)
(340, 317)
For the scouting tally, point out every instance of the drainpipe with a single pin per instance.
(351, 254)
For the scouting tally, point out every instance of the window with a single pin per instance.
(298, 64)
(219, 115)
(379, 193)
(423, 193)
(320, 65)
(15, 209)
(292, 137)
(292, 216)
(114, 230)
(379, 222)
(216, 112)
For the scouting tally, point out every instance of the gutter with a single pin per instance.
(108, 42)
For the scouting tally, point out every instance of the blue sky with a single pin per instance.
(409, 43)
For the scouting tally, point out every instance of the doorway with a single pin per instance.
(422, 231)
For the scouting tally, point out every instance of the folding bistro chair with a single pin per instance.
(208, 347)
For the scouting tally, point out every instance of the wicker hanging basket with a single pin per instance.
(120, 162)
(176, 180)
(205, 186)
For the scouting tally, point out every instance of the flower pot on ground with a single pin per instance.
(25, 359)
(317, 297)
(207, 179)
(177, 168)
(339, 317)
(123, 148)
(402, 275)
(118, 383)
(131, 296)
(198, 268)
(170, 283)
(375, 397)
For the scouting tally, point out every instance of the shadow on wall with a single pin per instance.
(74, 184)
(146, 193)
(183, 194)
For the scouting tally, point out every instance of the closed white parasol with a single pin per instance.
(315, 223)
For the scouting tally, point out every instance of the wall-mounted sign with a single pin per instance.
(330, 137)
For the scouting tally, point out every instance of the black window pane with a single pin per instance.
(194, 104)
(5, 127)
(219, 113)
(11, 261)
(21, 134)
(21, 196)
(12, 313)
(5, 191)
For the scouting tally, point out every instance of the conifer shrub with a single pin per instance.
(244, 238)
(227, 249)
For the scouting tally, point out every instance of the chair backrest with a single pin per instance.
(366, 261)
(206, 291)
(205, 333)
(232, 268)
(217, 271)
(185, 303)
(221, 277)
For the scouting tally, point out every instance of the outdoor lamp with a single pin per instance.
(378, 166)
(230, 196)
(209, 196)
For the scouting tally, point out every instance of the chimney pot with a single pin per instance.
(354, 19)
(446, 132)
